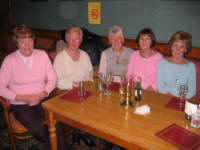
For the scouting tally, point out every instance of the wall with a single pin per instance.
(164, 16)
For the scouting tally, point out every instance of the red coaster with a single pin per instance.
(180, 137)
(73, 96)
(114, 87)
(174, 104)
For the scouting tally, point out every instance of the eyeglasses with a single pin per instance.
(23, 41)
(116, 39)
(73, 39)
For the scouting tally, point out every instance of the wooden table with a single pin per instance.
(103, 117)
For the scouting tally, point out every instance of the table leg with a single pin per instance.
(51, 121)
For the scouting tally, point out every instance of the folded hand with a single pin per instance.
(31, 99)
(75, 84)
(150, 88)
(36, 98)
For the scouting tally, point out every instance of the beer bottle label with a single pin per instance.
(136, 92)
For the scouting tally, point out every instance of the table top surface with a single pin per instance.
(104, 113)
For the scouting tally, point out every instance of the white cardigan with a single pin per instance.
(69, 71)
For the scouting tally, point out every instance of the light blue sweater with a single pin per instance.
(170, 76)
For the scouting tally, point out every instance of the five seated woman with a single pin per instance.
(27, 75)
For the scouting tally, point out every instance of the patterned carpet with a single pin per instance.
(33, 144)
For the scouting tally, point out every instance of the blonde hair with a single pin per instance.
(74, 29)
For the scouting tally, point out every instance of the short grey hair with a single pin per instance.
(114, 30)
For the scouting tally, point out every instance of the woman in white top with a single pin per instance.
(72, 65)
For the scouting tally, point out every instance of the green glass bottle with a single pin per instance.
(138, 90)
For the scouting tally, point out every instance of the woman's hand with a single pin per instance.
(31, 99)
(34, 100)
(28, 99)
(150, 88)
(37, 98)
(169, 94)
(75, 84)
(41, 95)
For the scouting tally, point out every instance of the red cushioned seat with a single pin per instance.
(197, 64)
(10, 44)
(45, 43)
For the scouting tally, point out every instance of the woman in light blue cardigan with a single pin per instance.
(176, 70)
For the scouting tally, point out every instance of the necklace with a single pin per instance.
(117, 61)
(118, 54)
(177, 61)
(147, 54)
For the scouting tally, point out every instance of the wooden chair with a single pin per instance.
(15, 128)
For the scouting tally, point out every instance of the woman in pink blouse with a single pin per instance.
(26, 79)
(143, 62)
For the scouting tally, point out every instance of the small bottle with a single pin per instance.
(138, 90)
(195, 120)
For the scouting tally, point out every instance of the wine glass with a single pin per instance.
(108, 77)
(91, 76)
(122, 85)
(100, 82)
(183, 90)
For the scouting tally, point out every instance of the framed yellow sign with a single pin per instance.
(94, 12)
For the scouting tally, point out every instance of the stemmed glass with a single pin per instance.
(91, 76)
(122, 85)
(183, 90)
(108, 77)
(100, 82)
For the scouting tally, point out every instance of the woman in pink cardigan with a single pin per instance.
(26, 79)
(143, 62)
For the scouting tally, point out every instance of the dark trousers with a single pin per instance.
(32, 117)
